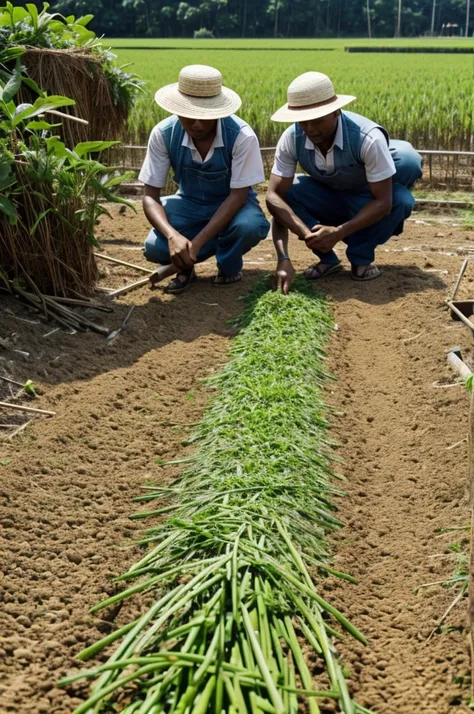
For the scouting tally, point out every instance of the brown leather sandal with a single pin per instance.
(316, 272)
(181, 282)
(221, 279)
(371, 272)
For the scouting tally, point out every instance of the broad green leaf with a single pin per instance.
(20, 14)
(32, 85)
(6, 176)
(7, 207)
(55, 146)
(84, 20)
(114, 181)
(33, 10)
(12, 86)
(56, 26)
(40, 125)
(5, 461)
(82, 34)
(87, 147)
(42, 105)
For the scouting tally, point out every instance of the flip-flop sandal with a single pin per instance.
(370, 273)
(220, 279)
(181, 282)
(316, 272)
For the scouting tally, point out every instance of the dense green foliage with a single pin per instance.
(266, 18)
(232, 575)
(50, 196)
(32, 27)
(427, 99)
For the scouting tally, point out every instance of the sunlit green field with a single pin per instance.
(425, 98)
(289, 43)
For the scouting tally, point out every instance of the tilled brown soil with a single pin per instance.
(123, 408)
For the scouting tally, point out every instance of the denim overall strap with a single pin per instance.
(207, 182)
(349, 170)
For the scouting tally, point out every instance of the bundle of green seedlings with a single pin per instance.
(236, 623)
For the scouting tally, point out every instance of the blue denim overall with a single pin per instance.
(336, 197)
(202, 188)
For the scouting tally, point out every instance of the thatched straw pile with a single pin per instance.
(79, 73)
(56, 256)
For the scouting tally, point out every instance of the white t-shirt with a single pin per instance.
(374, 153)
(246, 169)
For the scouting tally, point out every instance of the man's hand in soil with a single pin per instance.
(181, 252)
(323, 238)
(283, 276)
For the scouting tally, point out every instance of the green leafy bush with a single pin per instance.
(50, 195)
(65, 57)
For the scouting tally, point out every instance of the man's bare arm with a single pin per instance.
(179, 245)
(278, 187)
(324, 238)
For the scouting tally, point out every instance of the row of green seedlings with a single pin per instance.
(234, 570)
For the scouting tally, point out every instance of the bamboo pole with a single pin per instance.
(22, 408)
(164, 271)
(462, 317)
(129, 287)
(458, 281)
(123, 262)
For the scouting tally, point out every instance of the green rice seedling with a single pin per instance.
(426, 99)
(234, 570)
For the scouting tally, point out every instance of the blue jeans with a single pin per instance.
(248, 227)
(314, 203)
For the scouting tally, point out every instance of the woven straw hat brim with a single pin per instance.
(224, 104)
(285, 114)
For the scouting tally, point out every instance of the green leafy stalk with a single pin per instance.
(236, 568)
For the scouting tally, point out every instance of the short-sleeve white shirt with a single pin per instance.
(246, 169)
(374, 153)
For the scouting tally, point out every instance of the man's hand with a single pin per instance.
(323, 238)
(283, 276)
(180, 252)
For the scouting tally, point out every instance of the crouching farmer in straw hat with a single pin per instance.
(216, 159)
(357, 189)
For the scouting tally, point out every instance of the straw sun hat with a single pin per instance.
(198, 94)
(311, 96)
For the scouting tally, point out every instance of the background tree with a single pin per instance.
(266, 18)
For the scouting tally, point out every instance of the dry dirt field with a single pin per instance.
(67, 483)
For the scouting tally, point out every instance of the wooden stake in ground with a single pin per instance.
(21, 408)
(164, 271)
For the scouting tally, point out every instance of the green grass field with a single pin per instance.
(294, 44)
(425, 98)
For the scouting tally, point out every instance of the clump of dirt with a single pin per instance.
(124, 408)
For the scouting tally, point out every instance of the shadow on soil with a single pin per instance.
(159, 320)
(396, 282)
(28, 351)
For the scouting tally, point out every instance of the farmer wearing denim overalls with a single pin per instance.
(216, 160)
(356, 188)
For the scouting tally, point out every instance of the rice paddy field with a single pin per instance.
(425, 98)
